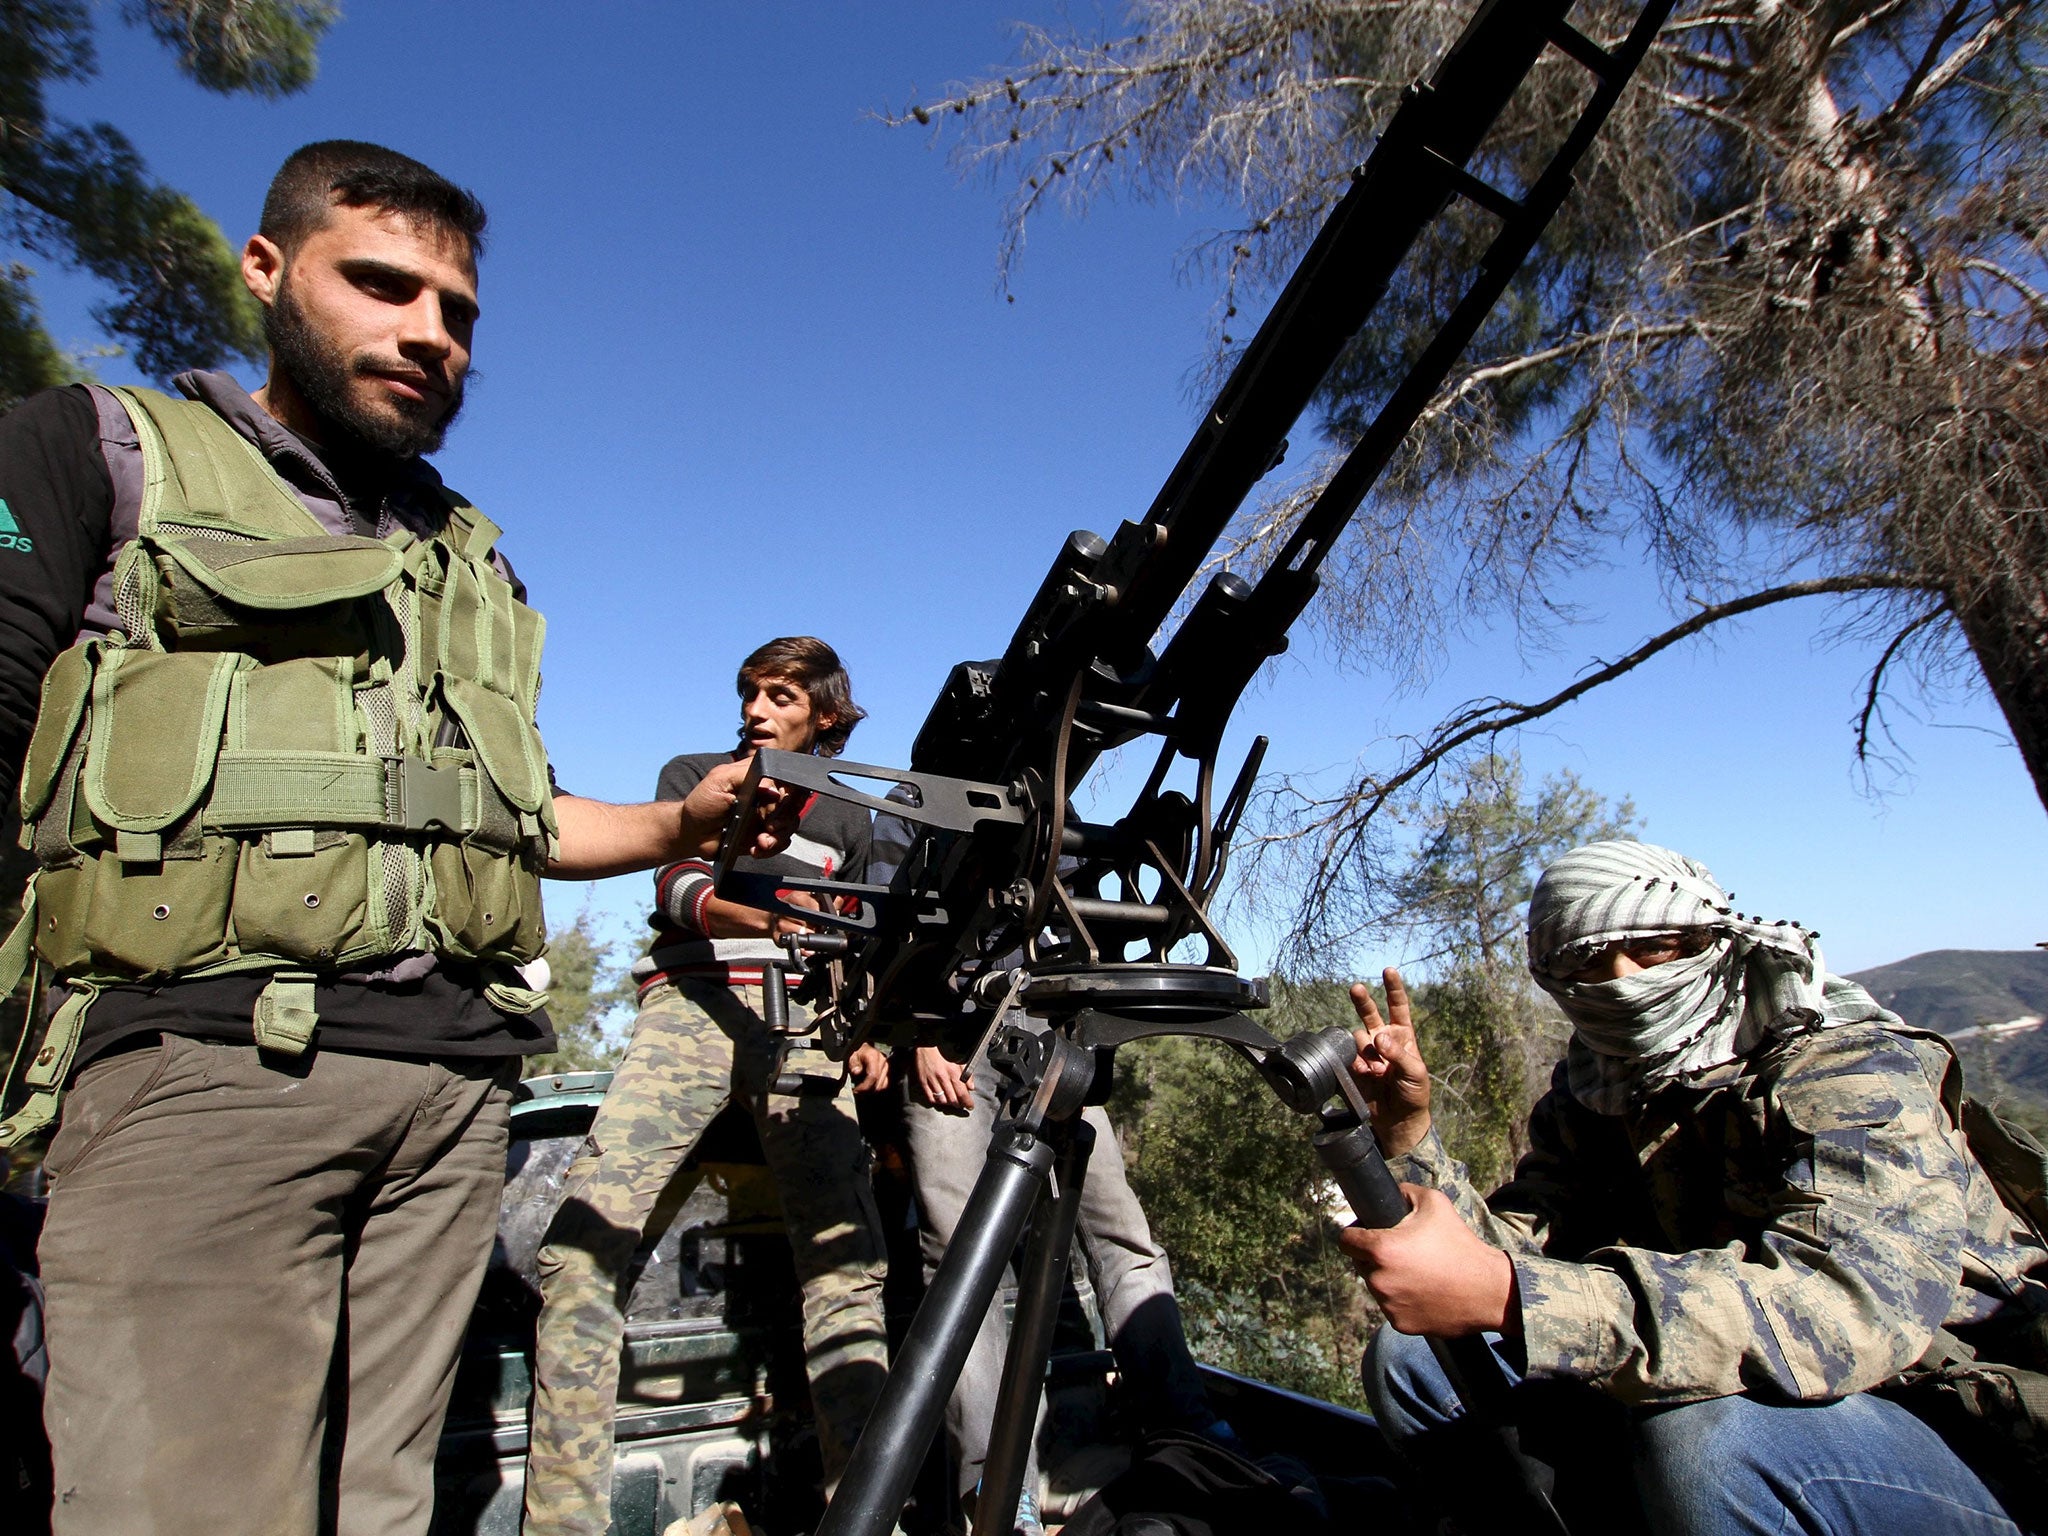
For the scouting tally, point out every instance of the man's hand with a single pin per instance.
(707, 807)
(1434, 1275)
(1389, 1067)
(868, 1068)
(781, 925)
(724, 919)
(941, 1081)
(597, 839)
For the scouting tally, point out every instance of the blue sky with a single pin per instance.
(747, 373)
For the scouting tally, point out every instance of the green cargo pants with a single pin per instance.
(696, 1046)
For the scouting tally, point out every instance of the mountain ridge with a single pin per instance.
(1991, 1003)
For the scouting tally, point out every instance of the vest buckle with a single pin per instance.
(420, 797)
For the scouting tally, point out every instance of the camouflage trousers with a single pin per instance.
(696, 1046)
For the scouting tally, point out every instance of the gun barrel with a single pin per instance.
(992, 862)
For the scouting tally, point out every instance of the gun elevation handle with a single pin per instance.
(1354, 1161)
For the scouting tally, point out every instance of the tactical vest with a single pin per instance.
(306, 751)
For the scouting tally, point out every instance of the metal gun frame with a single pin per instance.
(998, 868)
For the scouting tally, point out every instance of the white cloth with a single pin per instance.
(1636, 1034)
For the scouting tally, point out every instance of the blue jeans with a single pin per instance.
(1730, 1464)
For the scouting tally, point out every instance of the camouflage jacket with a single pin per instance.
(1798, 1224)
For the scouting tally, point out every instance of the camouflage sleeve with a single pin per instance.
(1861, 1221)
(1430, 1164)
(1517, 1216)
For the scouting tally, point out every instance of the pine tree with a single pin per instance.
(1784, 340)
(587, 989)
(80, 194)
(1489, 1036)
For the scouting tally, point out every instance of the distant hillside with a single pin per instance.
(1953, 989)
(1991, 1002)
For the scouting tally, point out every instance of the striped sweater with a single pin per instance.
(831, 841)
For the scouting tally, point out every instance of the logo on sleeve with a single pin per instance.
(11, 536)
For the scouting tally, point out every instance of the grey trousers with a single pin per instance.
(1132, 1279)
(259, 1275)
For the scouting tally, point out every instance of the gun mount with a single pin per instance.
(999, 871)
(1004, 897)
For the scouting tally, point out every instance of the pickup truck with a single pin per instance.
(713, 1404)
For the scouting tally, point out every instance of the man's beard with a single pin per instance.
(322, 375)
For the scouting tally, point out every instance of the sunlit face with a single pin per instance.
(1627, 957)
(779, 712)
(369, 322)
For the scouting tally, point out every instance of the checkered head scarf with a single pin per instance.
(1675, 1021)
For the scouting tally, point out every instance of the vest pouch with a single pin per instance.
(489, 902)
(486, 905)
(273, 599)
(154, 919)
(301, 889)
(154, 892)
(502, 734)
(63, 898)
(304, 896)
(156, 735)
(67, 689)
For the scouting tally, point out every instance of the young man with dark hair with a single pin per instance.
(814, 667)
(290, 821)
(700, 1042)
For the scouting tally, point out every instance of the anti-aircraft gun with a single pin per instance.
(1006, 900)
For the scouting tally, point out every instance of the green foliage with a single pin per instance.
(1466, 887)
(1238, 1330)
(1489, 1042)
(1488, 1035)
(588, 990)
(81, 194)
(264, 47)
(1234, 1193)
(29, 360)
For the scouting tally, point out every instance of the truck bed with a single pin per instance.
(713, 1404)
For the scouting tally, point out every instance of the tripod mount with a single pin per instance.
(1054, 1063)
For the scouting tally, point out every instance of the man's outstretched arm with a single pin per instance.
(597, 839)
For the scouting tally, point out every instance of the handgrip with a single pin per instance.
(1354, 1161)
(774, 999)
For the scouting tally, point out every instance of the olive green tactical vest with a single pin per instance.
(307, 750)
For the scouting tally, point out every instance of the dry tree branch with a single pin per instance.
(1931, 78)
(1625, 329)
(1343, 824)
(2036, 300)
(1874, 689)
(1930, 57)
(1869, 19)
(1346, 817)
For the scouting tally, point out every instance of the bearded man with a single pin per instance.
(290, 810)
(1751, 1275)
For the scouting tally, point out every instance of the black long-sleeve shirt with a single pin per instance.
(54, 543)
(66, 502)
